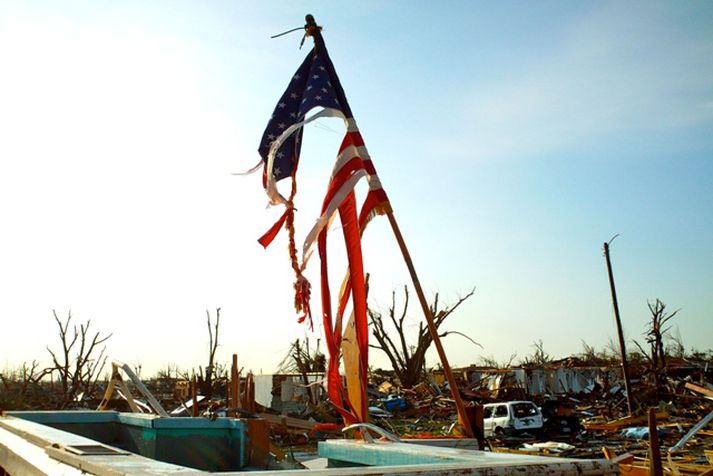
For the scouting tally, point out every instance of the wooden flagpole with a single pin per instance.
(312, 29)
(460, 408)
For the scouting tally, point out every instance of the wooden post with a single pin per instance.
(194, 396)
(460, 408)
(479, 426)
(475, 416)
(655, 468)
(249, 393)
(234, 383)
(620, 333)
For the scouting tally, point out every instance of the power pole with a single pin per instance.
(622, 346)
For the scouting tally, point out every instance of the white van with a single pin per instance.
(511, 417)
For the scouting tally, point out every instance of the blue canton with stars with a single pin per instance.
(310, 87)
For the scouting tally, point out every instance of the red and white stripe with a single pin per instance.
(353, 163)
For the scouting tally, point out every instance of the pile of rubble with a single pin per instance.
(584, 410)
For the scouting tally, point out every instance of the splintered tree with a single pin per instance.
(205, 378)
(538, 358)
(302, 360)
(657, 330)
(76, 364)
(409, 360)
(20, 388)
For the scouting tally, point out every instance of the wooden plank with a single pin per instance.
(194, 397)
(655, 467)
(699, 389)
(626, 458)
(633, 470)
(155, 405)
(248, 397)
(234, 383)
(627, 421)
(287, 421)
(350, 357)
(259, 448)
(127, 394)
(698, 426)
(109, 389)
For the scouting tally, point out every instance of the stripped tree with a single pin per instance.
(409, 360)
(301, 359)
(205, 379)
(76, 364)
(21, 388)
(655, 333)
(538, 358)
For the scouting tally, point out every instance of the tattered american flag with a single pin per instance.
(316, 85)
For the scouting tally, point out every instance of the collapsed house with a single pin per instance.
(289, 393)
(515, 383)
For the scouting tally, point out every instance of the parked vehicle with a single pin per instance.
(511, 417)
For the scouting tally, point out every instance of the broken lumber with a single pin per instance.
(707, 419)
(699, 389)
(626, 421)
(655, 468)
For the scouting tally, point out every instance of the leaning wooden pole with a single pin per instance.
(234, 383)
(462, 416)
(620, 333)
(312, 29)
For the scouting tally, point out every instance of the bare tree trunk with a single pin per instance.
(77, 368)
(212, 348)
(409, 361)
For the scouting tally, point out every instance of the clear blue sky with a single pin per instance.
(513, 138)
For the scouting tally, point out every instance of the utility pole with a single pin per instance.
(622, 346)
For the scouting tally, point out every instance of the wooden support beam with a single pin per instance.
(115, 377)
(460, 408)
(194, 397)
(655, 467)
(699, 389)
(153, 403)
(234, 383)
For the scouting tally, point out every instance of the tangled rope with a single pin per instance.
(303, 288)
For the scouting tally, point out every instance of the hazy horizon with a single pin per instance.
(513, 139)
